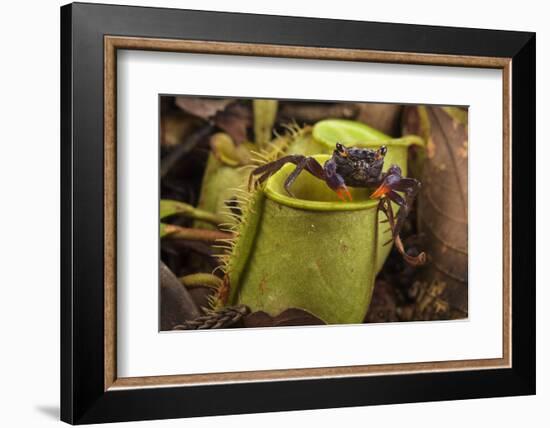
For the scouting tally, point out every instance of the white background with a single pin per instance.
(29, 173)
(142, 351)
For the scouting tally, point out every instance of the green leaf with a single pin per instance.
(227, 152)
(348, 132)
(169, 207)
(265, 113)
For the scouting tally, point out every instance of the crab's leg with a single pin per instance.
(266, 170)
(335, 181)
(311, 166)
(386, 208)
(301, 162)
(392, 183)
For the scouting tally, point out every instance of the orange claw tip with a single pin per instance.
(348, 194)
(381, 191)
(343, 192)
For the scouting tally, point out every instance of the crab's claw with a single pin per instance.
(343, 193)
(381, 191)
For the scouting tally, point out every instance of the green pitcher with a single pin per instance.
(312, 251)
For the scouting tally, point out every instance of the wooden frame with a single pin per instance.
(91, 391)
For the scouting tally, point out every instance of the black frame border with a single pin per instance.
(83, 399)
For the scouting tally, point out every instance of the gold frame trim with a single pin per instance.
(113, 43)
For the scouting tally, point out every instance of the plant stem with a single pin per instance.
(170, 207)
(177, 232)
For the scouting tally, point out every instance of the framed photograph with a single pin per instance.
(266, 213)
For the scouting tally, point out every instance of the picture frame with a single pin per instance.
(91, 35)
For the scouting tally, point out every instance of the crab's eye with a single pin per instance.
(341, 150)
(381, 152)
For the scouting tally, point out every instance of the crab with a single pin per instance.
(356, 167)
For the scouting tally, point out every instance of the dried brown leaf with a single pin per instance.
(176, 303)
(227, 114)
(443, 201)
(235, 119)
(205, 108)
